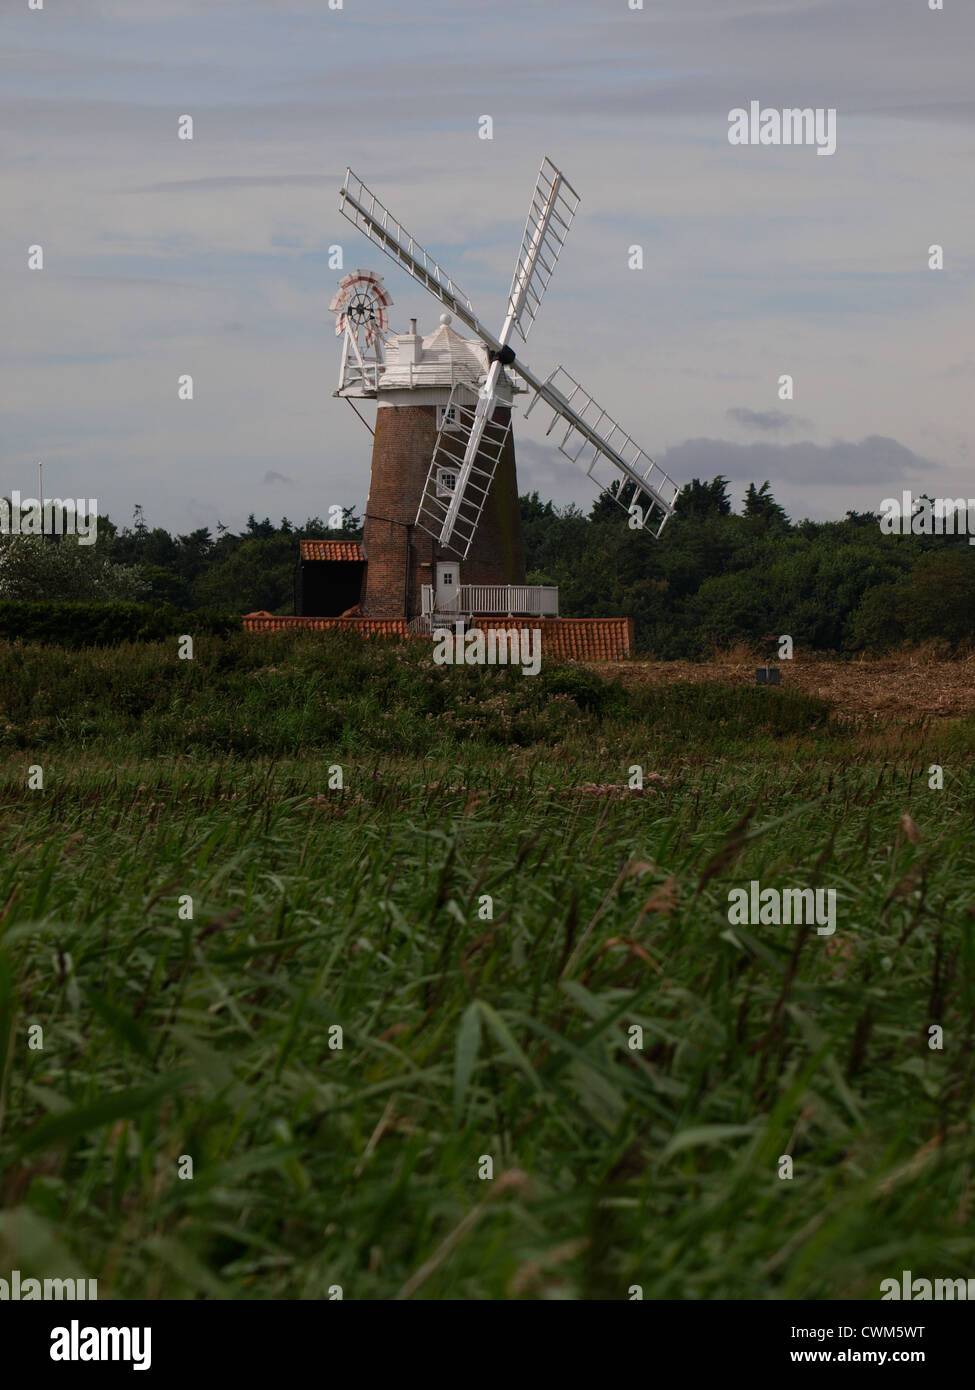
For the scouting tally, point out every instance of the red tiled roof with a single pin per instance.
(578, 639)
(331, 550)
(374, 627)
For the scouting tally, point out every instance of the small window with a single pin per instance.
(447, 577)
(449, 418)
(446, 482)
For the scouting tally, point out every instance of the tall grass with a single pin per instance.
(466, 1034)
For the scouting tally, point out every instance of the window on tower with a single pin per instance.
(449, 418)
(446, 482)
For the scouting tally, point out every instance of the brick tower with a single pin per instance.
(412, 395)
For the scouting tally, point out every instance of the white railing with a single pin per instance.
(505, 600)
(432, 373)
(360, 378)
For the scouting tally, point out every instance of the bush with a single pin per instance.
(41, 568)
(937, 598)
(587, 690)
(103, 624)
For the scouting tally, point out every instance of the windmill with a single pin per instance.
(471, 440)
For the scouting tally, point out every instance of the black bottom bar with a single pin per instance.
(428, 1339)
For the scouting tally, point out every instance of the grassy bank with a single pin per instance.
(294, 694)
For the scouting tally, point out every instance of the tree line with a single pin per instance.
(716, 576)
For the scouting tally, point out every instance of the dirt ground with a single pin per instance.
(900, 689)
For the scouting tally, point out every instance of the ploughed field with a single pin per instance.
(894, 689)
(459, 1011)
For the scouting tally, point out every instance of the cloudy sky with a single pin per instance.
(210, 256)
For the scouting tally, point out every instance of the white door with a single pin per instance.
(448, 586)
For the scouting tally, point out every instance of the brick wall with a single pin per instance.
(402, 450)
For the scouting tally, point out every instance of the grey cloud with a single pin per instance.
(539, 460)
(774, 52)
(272, 476)
(144, 281)
(236, 181)
(770, 420)
(876, 460)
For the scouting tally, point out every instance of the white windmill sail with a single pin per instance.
(459, 481)
(616, 464)
(553, 207)
(477, 467)
(611, 458)
(364, 210)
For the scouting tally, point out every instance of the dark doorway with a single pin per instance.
(327, 588)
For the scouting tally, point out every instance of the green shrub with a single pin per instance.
(585, 688)
(103, 624)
